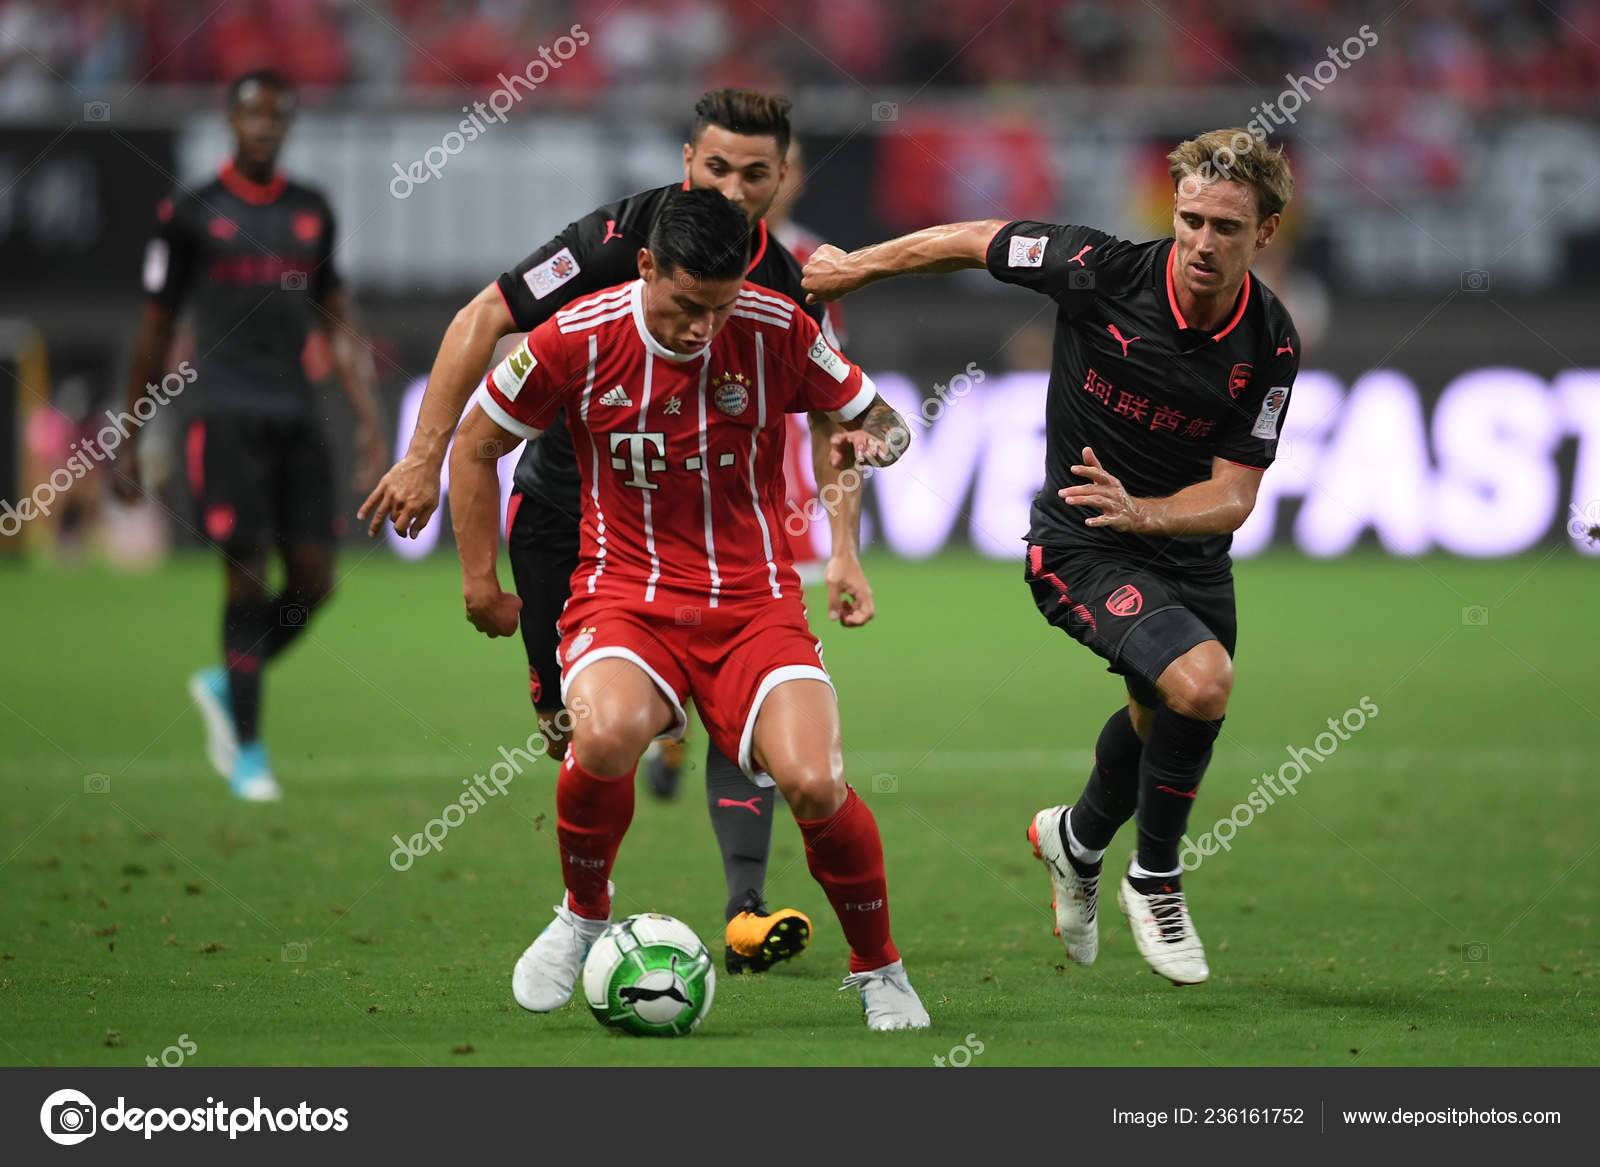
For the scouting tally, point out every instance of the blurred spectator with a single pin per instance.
(1483, 54)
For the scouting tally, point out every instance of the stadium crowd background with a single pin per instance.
(1446, 224)
(1482, 54)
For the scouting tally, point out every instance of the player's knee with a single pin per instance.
(609, 741)
(814, 787)
(1203, 693)
(246, 577)
(317, 593)
(310, 589)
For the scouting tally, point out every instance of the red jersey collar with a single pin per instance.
(1172, 298)
(255, 193)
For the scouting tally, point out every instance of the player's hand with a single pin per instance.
(126, 481)
(370, 457)
(862, 447)
(491, 611)
(827, 276)
(408, 495)
(849, 593)
(1103, 490)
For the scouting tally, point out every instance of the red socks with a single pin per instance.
(592, 815)
(845, 855)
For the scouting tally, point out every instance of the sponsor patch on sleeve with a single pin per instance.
(546, 277)
(828, 361)
(512, 373)
(1027, 250)
(1271, 410)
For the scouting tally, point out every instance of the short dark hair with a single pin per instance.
(743, 111)
(701, 233)
(268, 77)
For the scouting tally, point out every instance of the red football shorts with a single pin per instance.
(727, 658)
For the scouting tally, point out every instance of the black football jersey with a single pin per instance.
(250, 261)
(599, 251)
(1154, 398)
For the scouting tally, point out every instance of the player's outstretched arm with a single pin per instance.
(1217, 506)
(878, 437)
(409, 493)
(831, 273)
(475, 515)
(849, 593)
(149, 351)
(352, 360)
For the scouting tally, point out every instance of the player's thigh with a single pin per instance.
(1133, 618)
(230, 476)
(304, 495)
(622, 681)
(746, 670)
(543, 547)
(796, 740)
(621, 708)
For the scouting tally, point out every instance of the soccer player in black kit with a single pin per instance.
(737, 146)
(251, 256)
(1169, 383)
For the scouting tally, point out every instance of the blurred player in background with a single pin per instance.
(250, 254)
(1169, 383)
(737, 146)
(675, 387)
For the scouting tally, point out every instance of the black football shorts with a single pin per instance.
(259, 481)
(1138, 618)
(543, 542)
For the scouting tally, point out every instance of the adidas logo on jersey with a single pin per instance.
(616, 396)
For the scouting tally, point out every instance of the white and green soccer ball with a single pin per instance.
(649, 975)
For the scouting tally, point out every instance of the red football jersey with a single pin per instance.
(681, 454)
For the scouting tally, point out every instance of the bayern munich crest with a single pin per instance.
(580, 644)
(730, 393)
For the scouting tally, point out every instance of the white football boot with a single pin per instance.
(208, 689)
(1164, 933)
(1076, 898)
(888, 998)
(548, 970)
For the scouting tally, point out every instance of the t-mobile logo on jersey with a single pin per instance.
(640, 448)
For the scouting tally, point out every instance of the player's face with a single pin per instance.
(260, 122)
(790, 185)
(1218, 236)
(744, 168)
(682, 312)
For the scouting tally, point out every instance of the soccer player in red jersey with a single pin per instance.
(675, 388)
(736, 146)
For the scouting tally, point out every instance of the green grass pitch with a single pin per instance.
(1426, 898)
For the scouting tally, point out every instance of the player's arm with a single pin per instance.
(409, 493)
(150, 348)
(352, 364)
(831, 273)
(571, 265)
(877, 436)
(1217, 506)
(169, 265)
(475, 514)
(849, 593)
(518, 401)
